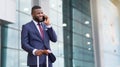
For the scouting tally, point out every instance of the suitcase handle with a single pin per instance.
(46, 61)
(37, 61)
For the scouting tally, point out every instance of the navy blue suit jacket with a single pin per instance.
(31, 39)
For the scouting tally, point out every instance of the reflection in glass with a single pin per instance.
(25, 6)
(12, 57)
(24, 18)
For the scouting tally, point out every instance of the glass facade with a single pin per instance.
(78, 40)
(71, 23)
(12, 54)
(83, 53)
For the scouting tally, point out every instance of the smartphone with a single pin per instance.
(44, 18)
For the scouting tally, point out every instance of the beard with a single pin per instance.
(37, 19)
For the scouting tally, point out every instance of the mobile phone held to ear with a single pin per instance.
(44, 18)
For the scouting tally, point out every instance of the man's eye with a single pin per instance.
(41, 12)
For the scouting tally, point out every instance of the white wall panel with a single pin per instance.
(8, 10)
(108, 25)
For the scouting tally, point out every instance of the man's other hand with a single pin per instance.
(38, 52)
(46, 52)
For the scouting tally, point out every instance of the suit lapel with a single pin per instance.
(35, 29)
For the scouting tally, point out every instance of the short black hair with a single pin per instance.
(35, 7)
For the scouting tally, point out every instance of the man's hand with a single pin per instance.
(38, 52)
(47, 20)
(41, 52)
(46, 52)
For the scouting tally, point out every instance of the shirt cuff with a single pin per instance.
(49, 26)
(49, 51)
(34, 51)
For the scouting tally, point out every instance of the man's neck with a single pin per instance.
(36, 21)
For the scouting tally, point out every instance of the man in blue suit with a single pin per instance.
(36, 36)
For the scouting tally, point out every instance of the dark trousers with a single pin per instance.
(41, 65)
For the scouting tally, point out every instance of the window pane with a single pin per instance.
(23, 59)
(11, 56)
(15, 25)
(24, 19)
(25, 6)
(10, 37)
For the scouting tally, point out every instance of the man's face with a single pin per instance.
(37, 15)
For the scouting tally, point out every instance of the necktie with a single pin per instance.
(41, 30)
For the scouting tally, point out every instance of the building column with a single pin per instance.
(105, 16)
(67, 33)
(96, 45)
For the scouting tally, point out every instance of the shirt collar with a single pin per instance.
(35, 22)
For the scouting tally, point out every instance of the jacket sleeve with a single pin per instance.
(52, 34)
(25, 40)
